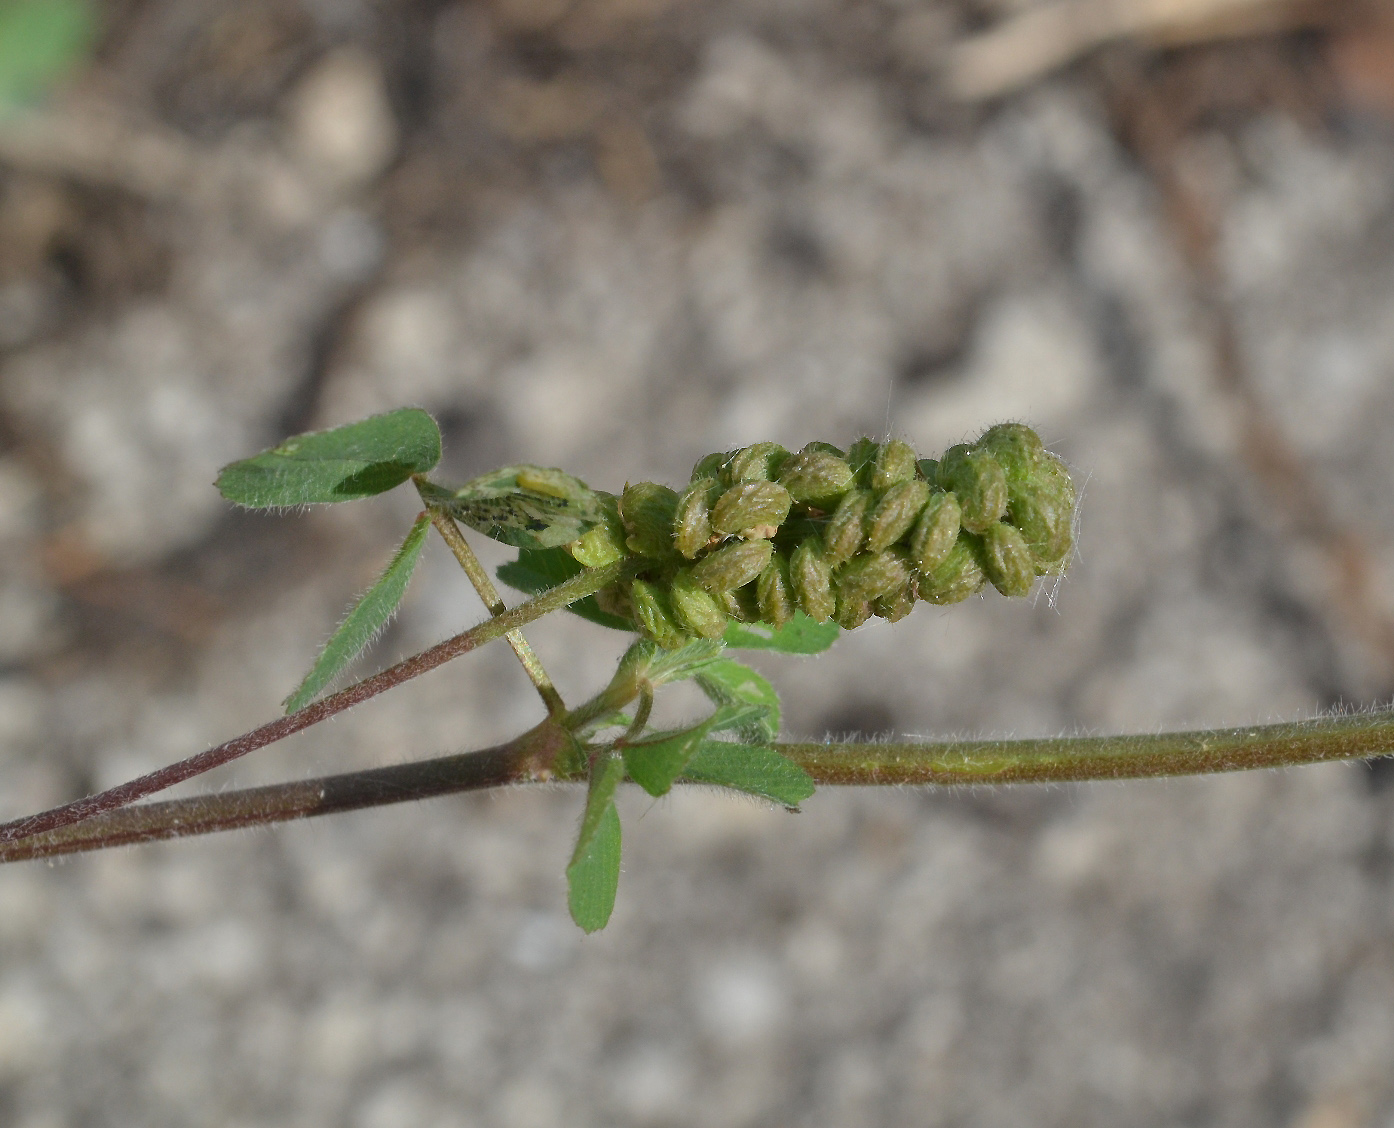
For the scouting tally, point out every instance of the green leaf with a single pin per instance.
(525, 506)
(668, 666)
(655, 763)
(368, 616)
(753, 768)
(800, 635)
(594, 873)
(540, 569)
(733, 684)
(359, 460)
(40, 41)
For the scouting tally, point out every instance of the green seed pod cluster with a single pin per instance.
(760, 533)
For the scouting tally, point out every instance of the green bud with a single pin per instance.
(604, 544)
(751, 505)
(695, 608)
(870, 575)
(895, 606)
(758, 463)
(895, 513)
(862, 458)
(732, 566)
(980, 484)
(773, 595)
(653, 615)
(1007, 561)
(709, 465)
(810, 580)
(935, 531)
(1015, 447)
(647, 510)
(958, 577)
(845, 532)
(692, 526)
(851, 613)
(895, 462)
(816, 477)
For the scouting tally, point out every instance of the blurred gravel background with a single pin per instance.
(612, 235)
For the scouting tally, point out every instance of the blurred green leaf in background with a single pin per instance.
(41, 41)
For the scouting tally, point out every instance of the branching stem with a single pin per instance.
(941, 763)
(578, 587)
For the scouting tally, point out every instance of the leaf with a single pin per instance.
(525, 506)
(753, 768)
(594, 873)
(40, 41)
(359, 460)
(734, 685)
(540, 569)
(687, 660)
(368, 616)
(655, 763)
(800, 635)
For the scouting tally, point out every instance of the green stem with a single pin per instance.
(535, 757)
(578, 587)
(464, 555)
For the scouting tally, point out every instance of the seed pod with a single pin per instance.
(653, 615)
(692, 526)
(604, 544)
(709, 465)
(810, 580)
(895, 606)
(851, 613)
(935, 531)
(772, 592)
(816, 477)
(1015, 447)
(750, 505)
(1007, 561)
(695, 608)
(758, 463)
(895, 462)
(1042, 507)
(647, 510)
(845, 532)
(870, 575)
(980, 484)
(895, 513)
(958, 577)
(732, 566)
(861, 456)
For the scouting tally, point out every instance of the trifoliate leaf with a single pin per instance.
(801, 635)
(369, 615)
(540, 569)
(656, 762)
(359, 460)
(594, 873)
(525, 506)
(753, 768)
(752, 703)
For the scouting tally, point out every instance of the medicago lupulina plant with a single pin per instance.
(763, 549)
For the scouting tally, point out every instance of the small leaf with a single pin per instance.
(678, 665)
(733, 684)
(752, 768)
(594, 873)
(540, 569)
(359, 460)
(525, 506)
(655, 763)
(368, 616)
(40, 42)
(800, 635)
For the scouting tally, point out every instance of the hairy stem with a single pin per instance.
(578, 587)
(532, 758)
(464, 555)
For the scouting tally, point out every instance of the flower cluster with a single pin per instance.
(761, 532)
